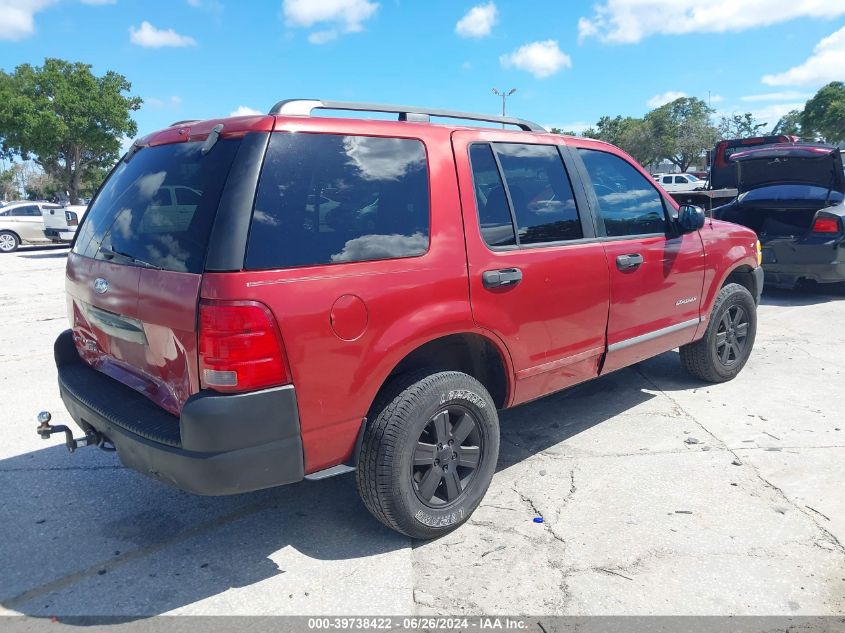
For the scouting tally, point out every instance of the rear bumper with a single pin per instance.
(221, 444)
(788, 261)
(58, 235)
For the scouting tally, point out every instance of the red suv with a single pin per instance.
(257, 300)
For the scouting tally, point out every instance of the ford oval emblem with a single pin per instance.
(101, 286)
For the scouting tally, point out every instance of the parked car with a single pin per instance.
(349, 294)
(679, 182)
(791, 195)
(60, 224)
(23, 223)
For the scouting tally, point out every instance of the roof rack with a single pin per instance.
(184, 122)
(304, 107)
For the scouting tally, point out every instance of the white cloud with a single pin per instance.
(827, 63)
(168, 103)
(17, 17)
(629, 21)
(665, 97)
(478, 21)
(149, 36)
(541, 59)
(777, 96)
(770, 114)
(243, 110)
(577, 126)
(716, 98)
(339, 16)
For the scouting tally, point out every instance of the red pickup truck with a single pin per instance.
(257, 300)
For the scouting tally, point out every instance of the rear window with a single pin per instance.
(328, 199)
(157, 209)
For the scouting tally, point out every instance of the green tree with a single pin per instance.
(682, 130)
(8, 184)
(66, 118)
(789, 123)
(557, 130)
(824, 114)
(741, 126)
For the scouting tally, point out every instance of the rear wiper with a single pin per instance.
(111, 253)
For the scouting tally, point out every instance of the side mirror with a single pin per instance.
(690, 218)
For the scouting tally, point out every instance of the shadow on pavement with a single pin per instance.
(88, 537)
(803, 295)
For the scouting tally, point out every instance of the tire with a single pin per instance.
(726, 345)
(9, 242)
(405, 479)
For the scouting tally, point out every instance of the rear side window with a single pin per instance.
(327, 198)
(628, 202)
(140, 218)
(540, 192)
(536, 194)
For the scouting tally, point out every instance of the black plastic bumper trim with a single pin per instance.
(228, 443)
(759, 278)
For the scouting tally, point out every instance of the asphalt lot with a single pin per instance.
(637, 521)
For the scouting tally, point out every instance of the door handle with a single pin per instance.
(501, 277)
(629, 262)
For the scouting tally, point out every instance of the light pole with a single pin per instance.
(504, 95)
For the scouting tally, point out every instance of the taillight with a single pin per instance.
(240, 348)
(826, 225)
(71, 218)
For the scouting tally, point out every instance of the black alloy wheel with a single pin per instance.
(732, 336)
(448, 453)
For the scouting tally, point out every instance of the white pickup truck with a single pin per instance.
(60, 224)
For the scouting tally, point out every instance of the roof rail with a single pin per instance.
(304, 107)
(185, 122)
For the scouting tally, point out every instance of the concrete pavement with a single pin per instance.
(637, 520)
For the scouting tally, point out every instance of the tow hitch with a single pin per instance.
(45, 430)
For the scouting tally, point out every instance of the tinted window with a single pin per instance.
(324, 198)
(540, 193)
(681, 180)
(628, 203)
(494, 214)
(25, 211)
(135, 215)
(667, 180)
(790, 193)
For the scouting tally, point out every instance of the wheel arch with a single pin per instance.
(471, 352)
(743, 274)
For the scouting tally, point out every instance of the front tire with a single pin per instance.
(429, 454)
(726, 345)
(9, 242)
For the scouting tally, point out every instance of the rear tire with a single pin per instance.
(9, 242)
(429, 453)
(726, 345)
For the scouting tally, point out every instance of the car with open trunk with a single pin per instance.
(257, 300)
(792, 196)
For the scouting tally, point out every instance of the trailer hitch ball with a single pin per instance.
(45, 430)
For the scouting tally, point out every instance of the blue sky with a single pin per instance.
(570, 61)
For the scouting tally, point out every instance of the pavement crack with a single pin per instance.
(766, 483)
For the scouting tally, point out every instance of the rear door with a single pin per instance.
(134, 273)
(656, 275)
(538, 278)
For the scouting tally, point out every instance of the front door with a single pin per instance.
(538, 277)
(656, 274)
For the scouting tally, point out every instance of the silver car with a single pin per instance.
(23, 223)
